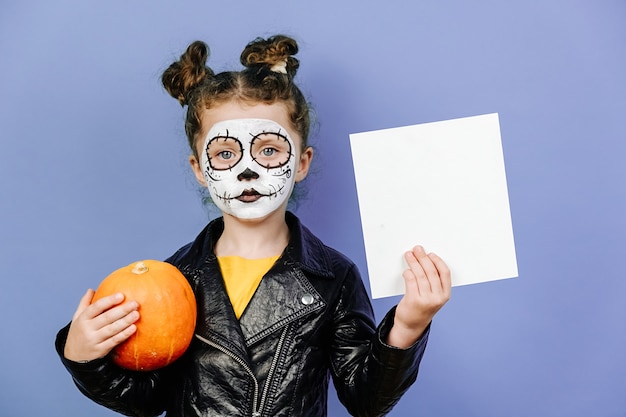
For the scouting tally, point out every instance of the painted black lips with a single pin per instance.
(249, 196)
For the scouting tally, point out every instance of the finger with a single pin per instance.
(425, 262)
(444, 272)
(108, 344)
(121, 336)
(416, 268)
(85, 301)
(115, 314)
(103, 304)
(410, 282)
(414, 263)
(111, 330)
(437, 282)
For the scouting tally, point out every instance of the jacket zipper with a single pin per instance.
(270, 373)
(257, 406)
(255, 412)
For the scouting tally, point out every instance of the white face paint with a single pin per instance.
(249, 166)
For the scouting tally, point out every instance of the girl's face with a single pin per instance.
(249, 158)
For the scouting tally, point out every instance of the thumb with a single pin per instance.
(85, 301)
(411, 285)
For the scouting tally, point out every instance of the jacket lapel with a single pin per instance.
(216, 318)
(283, 296)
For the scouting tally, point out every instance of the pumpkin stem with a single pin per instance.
(140, 268)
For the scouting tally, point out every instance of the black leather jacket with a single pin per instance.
(310, 318)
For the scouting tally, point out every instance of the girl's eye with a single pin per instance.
(225, 155)
(223, 152)
(270, 149)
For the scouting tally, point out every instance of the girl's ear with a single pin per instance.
(304, 163)
(197, 170)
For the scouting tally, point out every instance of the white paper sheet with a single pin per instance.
(441, 185)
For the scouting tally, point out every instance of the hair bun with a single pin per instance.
(275, 53)
(188, 72)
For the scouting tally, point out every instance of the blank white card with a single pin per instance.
(441, 185)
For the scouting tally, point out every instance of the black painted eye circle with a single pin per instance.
(270, 149)
(223, 152)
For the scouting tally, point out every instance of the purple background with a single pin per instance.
(93, 175)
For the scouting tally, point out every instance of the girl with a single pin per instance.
(278, 311)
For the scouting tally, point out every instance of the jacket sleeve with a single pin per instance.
(131, 393)
(369, 375)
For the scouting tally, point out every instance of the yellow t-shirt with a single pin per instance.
(242, 277)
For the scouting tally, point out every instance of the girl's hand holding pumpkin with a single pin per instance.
(97, 328)
(428, 285)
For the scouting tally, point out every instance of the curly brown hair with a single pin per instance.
(267, 78)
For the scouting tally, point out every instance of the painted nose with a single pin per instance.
(247, 175)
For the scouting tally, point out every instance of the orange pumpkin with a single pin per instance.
(167, 309)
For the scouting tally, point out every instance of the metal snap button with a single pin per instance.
(307, 299)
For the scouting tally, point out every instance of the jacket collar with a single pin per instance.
(277, 302)
(304, 248)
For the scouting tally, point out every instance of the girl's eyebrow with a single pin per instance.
(224, 136)
(270, 132)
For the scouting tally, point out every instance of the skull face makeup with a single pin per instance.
(249, 166)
